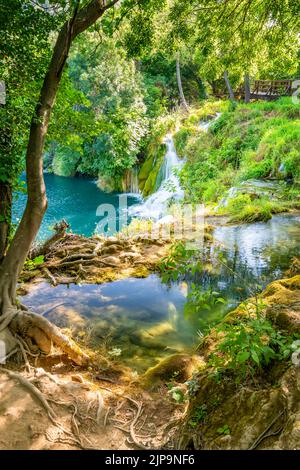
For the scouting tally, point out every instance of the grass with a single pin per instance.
(258, 140)
(260, 211)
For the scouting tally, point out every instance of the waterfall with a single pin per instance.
(205, 125)
(130, 183)
(156, 205)
(134, 181)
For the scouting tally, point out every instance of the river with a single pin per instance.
(143, 320)
(73, 199)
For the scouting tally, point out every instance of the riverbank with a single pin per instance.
(249, 397)
(74, 259)
(124, 402)
(116, 409)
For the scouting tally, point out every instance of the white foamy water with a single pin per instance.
(156, 205)
(134, 181)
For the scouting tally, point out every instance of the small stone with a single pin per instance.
(77, 378)
(130, 255)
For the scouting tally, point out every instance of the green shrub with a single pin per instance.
(248, 347)
(65, 162)
(180, 139)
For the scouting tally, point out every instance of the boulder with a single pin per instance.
(177, 367)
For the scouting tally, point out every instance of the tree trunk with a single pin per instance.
(214, 88)
(228, 85)
(5, 216)
(27, 230)
(179, 83)
(247, 88)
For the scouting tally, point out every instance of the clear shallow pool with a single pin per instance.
(147, 320)
(141, 317)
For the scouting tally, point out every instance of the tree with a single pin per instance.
(12, 318)
(240, 36)
(228, 85)
(119, 119)
(25, 51)
(179, 82)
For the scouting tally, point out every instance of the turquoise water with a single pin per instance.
(143, 319)
(73, 199)
(146, 319)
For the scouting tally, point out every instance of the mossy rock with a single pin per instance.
(146, 168)
(150, 169)
(283, 303)
(149, 186)
(178, 367)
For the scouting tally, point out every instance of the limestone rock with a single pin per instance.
(178, 367)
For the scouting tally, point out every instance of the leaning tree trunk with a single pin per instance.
(27, 230)
(229, 87)
(247, 88)
(5, 216)
(179, 83)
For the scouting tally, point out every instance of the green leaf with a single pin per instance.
(243, 356)
(255, 357)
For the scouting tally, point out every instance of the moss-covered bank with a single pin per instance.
(258, 141)
(262, 409)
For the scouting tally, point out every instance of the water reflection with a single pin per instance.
(142, 317)
(147, 319)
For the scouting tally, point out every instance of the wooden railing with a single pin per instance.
(272, 87)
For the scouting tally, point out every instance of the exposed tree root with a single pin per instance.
(50, 276)
(100, 407)
(267, 433)
(134, 437)
(73, 258)
(72, 437)
(44, 333)
(60, 233)
(34, 391)
(37, 331)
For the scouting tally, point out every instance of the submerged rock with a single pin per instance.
(178, 367)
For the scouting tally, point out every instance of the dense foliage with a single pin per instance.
(25, 51)
(259, 140)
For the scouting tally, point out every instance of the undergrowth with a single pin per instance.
(255, 141)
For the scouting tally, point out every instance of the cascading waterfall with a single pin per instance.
(155, 206)
(134, 181)
(205, 125)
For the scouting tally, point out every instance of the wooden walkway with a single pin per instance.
(268, 89)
